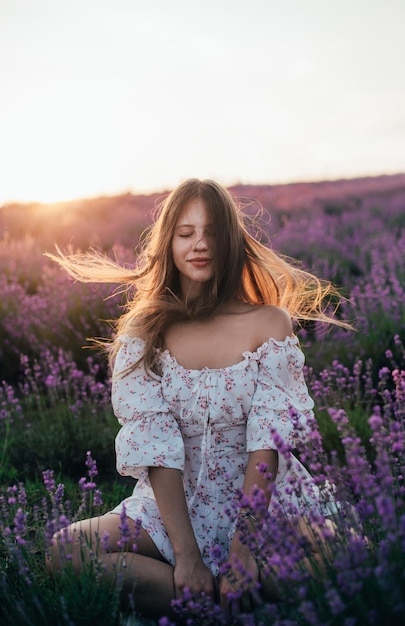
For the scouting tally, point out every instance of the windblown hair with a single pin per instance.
(244, 268)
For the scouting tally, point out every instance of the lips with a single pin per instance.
(199, 261)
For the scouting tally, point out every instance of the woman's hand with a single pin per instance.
(238, 587)
(189, 571)
(192, 574)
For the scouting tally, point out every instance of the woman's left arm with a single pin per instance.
(255, 477)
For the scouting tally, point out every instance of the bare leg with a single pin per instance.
(147, 584)
(147, 577)
(315, 564)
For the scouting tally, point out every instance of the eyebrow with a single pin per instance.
(192, 226)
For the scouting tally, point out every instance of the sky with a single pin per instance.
(100, 97)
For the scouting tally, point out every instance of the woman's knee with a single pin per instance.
(97, 537)
(72, 544)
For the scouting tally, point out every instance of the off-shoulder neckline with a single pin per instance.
(248, 355)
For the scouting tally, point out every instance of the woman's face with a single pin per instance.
(193, 247)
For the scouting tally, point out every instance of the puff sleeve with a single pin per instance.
(149, 434)
(281, 406)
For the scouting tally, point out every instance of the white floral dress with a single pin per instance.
(204, 423)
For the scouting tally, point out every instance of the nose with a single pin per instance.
(201, 243)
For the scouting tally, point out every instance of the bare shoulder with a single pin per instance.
(273, 322)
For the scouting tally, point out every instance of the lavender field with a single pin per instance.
(57, 429)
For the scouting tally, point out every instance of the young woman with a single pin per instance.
(207, 373)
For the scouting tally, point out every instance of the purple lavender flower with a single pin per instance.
(216, 553)
(59, 493)
(125, 533)
(91, 465)
(49, 480)
(105, 542)
(12, 494)
(22, 496)
(97, 499)
(20, 529)
(50, 529)
(164, 621)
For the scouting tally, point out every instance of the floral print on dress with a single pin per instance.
(204, 423)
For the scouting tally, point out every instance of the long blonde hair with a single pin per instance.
(245, 269)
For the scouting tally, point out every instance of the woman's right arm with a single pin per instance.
(189, 570)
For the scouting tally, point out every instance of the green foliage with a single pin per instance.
(40, 600)
(56, 437)
(54, 422)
